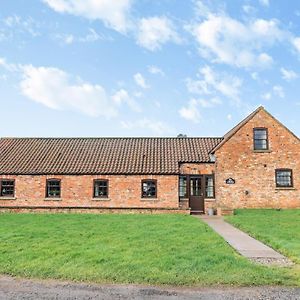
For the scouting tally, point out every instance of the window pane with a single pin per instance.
(284, 178)
(260, 139)
(182, 186)
(7, 188)
(209, 187)
(149, 189)
(195, 186)
(53, 188)
(260, 134)
(260, 144)
(101, 188)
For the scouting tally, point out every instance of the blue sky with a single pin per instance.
(146, 68)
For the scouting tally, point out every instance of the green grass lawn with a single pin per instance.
(149, 249)
(278, 228)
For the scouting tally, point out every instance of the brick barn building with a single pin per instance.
(255, 165)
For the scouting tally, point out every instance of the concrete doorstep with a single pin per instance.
(245, 244)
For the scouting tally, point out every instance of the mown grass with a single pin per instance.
(147, 249)
(278, 228)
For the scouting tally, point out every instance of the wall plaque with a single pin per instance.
(230, 181)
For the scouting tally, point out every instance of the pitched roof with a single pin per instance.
(235, 129)
(101, 155)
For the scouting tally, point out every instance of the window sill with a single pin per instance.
(8, 198)
(209, 199)
(285, 189)
(52, 199)
(149, 199)
(262, 151)
(101, 199)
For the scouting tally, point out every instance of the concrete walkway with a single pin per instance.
(245, 244)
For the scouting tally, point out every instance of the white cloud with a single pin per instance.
(265, 59)
(191, 111)
(140, 81)
(122, 96)
(229, 117)
(266, 96)
(91, 36)
(18, 24)
(248, 9)
(288, 75)
(230, 41)
(264, 2)
(8, 66)
(56, 89)
(155, 70)
(153, 32)
(254, 76)
(278, 91)
(209, 103)
(296, 43)
(211, 83)
(114, 14)
(157, 127)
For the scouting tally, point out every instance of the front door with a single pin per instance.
(197, 194)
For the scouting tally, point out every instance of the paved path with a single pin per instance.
(243, 243)
(17, 289)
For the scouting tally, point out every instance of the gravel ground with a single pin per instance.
(283, 262)
(12, 288)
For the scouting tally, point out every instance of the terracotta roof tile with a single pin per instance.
(101, 155)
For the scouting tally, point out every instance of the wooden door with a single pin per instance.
(196, 194)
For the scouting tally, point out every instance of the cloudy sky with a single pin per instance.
(144, 67)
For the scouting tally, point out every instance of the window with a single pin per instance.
(149, 189)
(7, 188)
(100, 188)
(260, 139)
(284, 178)
(209, 186)
(53, 188)
(183, 187)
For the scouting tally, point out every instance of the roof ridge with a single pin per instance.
(103, 138)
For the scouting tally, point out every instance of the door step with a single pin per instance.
(197, 212)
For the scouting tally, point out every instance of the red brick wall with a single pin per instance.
(255, 172)
(124, 192)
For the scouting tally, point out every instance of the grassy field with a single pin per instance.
(149, 249)
(278, 228)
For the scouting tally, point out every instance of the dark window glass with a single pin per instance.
(195, 186)
(149, 189)
(209, 186)
(284, 178)
(53, 188)
(100, 188)
(260, 139)
(183, 186)
(7, 188)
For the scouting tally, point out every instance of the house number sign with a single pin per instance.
(230, 181)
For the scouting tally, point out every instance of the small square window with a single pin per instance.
(100, 188)
(284, 178)
(53, 189)
(261, 139)
(7, 188)
(149, 189)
